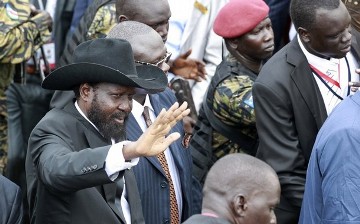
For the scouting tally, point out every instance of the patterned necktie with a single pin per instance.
(174, 211)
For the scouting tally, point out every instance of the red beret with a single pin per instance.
(238, 17)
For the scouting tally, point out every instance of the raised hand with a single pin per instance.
(155, 140)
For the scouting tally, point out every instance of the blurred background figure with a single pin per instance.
(280, 19)
(196, 49)
(23, 30)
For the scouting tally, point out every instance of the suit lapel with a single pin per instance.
(193, 20)
(133, 132)
(133, 198)
(306, 83)
(95, 139)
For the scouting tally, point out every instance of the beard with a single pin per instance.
(106, 124)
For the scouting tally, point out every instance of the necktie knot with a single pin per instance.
(146, 115)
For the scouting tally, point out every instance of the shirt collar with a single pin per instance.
(82, 114)
(137, 108)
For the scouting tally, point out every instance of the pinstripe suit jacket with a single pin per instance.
(151, 179)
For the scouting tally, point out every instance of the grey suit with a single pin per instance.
(66, 179)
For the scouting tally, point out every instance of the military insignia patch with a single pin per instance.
(248, 100)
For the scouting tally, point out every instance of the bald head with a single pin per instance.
(238, 171)
(155, 13)
(146, 43)
(234, 181)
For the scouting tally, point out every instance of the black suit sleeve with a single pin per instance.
(278, 141)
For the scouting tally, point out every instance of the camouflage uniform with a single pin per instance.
(104, 20)
(19, 38)
(226, 122)
(233, 105)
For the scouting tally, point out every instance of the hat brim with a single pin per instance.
(149, 78)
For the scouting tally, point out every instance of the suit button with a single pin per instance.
(166, 221)
(163, 184)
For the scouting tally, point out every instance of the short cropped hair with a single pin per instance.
(303, 12)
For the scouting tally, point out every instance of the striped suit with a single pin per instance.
(150, 178)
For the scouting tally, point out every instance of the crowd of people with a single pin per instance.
(165, 111)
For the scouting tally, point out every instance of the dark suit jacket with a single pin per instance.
(151, 179)
(10, 202)
(66, 178)
(289, 113)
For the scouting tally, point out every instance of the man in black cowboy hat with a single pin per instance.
(77, 159)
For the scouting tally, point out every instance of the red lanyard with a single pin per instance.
(327, 78)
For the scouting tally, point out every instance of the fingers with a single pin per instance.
(170, 139)
(186, 54)
(354, 84)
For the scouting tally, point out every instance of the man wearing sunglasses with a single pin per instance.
(154, 185)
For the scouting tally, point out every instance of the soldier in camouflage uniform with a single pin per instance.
(23, 30)
(226, 122)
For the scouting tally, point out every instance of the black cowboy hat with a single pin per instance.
(106, 60)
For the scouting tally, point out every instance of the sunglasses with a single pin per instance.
(165, 59)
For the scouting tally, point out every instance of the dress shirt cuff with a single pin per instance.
(115, 161)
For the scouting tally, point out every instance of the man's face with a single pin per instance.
(109, 108)
(331, 34)
(261, 205)
(155, 14)
(257, 44)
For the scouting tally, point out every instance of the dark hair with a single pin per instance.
(303, 12)
(76, 89)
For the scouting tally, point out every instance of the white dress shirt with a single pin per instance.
(339, 69)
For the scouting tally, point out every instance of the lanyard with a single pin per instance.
(324, 77)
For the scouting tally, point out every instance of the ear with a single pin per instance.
(239, 205)
(232, 42)
(122, 18)
(86, 92)
(304, 34)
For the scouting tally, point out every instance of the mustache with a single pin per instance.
(120, 114)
